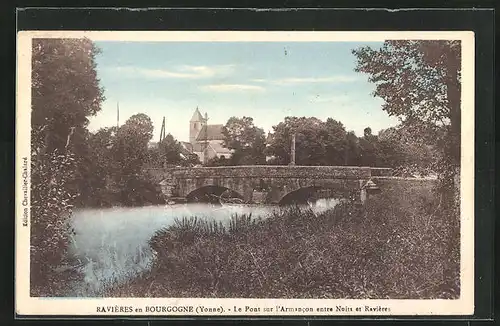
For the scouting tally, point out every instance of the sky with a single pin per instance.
(264, 80)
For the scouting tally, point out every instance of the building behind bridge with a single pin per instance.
(205, 140)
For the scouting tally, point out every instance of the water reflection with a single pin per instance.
(112, 244)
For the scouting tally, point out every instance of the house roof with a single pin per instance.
(197, 115)
(193, 148)
(186, 148)
(218, 148)
(210, 132)
(200, 147)
(186, 145)
(197, 147)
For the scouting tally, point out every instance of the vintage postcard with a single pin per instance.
(244, 173)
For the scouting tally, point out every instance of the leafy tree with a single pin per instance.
(118, 159)
(191, 160)
(247, 141)
(335, 137)
(352, 151)
(65, 91)
(130, 150)
(420, 83)
(95, 191)
(328, 143)
(317, 142)
(51, 207)
(367, 132)
(368, 148)
(391, 151)
(219, 161)
(169, 152)
(398, 148)
(129, 155)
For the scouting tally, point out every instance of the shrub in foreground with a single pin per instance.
(50, 213)
(390, 248)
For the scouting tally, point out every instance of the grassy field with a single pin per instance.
(399, 246)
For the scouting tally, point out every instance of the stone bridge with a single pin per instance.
(267, 184)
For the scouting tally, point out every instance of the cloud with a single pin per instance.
(337, 99)
(309, 80)
(183, 72)
(233, 88)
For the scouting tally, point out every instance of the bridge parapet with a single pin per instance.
(381, 172)
(312, 172)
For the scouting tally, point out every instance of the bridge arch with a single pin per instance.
(299, 196)
(212, 194)
(312, 193)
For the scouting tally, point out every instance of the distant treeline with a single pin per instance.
(327, 143)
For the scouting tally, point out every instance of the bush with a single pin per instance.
(390, 248)
(139, 190)
(51, 206)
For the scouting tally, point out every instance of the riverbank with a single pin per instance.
(398, 246)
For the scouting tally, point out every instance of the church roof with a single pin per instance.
(197, 116)
(210, 132)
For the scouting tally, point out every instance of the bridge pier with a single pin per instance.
(367, 188)
(363, 196)
(167, 186)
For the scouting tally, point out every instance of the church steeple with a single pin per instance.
(196, 116)
(195, 125)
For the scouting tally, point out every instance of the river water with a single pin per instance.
(111, 244)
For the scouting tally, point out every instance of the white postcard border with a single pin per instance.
(26, 305)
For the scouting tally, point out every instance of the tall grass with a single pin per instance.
(392, 247)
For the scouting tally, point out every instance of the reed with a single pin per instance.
(392, 247)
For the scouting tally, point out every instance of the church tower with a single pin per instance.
(195, 125)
